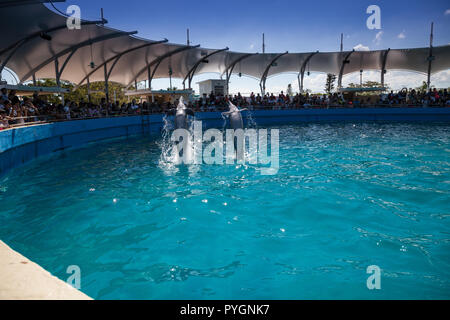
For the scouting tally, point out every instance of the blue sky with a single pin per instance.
(296, 26)
(288, 25)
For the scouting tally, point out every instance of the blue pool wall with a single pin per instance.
(20, 145)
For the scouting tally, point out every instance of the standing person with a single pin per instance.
(66, 110)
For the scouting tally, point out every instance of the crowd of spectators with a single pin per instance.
(404, 97)
(15, 111)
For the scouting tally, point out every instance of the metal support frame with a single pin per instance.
(16, 46)
(229, 70)
(58, 71)
(74, 48)
(88, 87)
(156, 62)
(430, 58)
(57, 74)
(105, 70)
(13, 3)
(301, 74)
(149, 77)
(262, 82)
(58, 79)
(341, 71)
(117, 57)
(383, 65)
(191, 72)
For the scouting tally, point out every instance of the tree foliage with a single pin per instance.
(81, 93)
(329, 85)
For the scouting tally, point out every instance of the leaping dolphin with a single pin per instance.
(181, 115)
(235, 116)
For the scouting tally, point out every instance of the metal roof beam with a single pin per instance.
(262, 82)
(16, 46)
(13, 3)
(157, 61)
(341, 71)
(118, 56)
(301, 75)
(383, 65)
(76, 47)
(191, 72)
(229, 69)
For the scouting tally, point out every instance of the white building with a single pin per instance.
(217, 87)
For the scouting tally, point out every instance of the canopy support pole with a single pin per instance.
(430, 58)
(341, 71)
(229, 69)
(191, 72)
(105, 69)
(301, 75)
(262, 82)
(16, 46)
(149, 75)
(383, 67)
(76, 47)
(89, 90)
(120, 55)
(58, 79)
(157, 62)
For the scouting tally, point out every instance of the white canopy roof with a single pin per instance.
(127, 58)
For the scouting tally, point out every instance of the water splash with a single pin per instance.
(251, 123)
(170, 156)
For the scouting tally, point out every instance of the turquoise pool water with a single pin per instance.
(346, 196)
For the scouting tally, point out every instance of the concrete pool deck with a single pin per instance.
(22, 279)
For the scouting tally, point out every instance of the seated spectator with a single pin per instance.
(30, 108)
(4, 121)
(4, 94)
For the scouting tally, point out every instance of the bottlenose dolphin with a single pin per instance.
(181, 114)
(234, 114)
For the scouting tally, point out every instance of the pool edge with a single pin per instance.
(22, 279)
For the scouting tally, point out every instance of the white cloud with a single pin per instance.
(401, 35)
(447, 12)
(396, 80)
(377, 39)
(361, 47)
(252, 46)
(316, 81)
